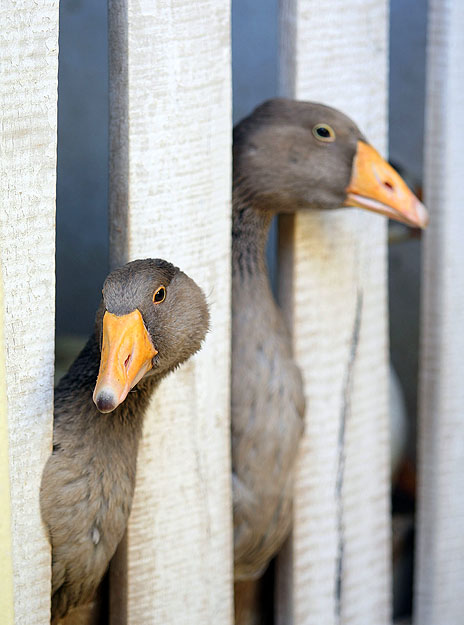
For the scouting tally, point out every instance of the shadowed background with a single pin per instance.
(82, 187)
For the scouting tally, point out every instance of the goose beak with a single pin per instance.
(126, 356)
(377, 187)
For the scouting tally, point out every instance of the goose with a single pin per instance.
(152, 318)
(287, 156)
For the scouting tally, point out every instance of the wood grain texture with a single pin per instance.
(439, 592)
(6, 559)
(335, 568)
(170, 198)
(28, 99)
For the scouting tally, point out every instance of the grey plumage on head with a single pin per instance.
(280, 166)
(178, 326)
(128, 285)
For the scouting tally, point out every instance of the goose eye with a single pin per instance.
(324, 132)
(159, 295)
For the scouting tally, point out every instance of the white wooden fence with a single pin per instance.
(440, 545)
(28, 93)
(170, 130)
(170, 182)
(339, 552)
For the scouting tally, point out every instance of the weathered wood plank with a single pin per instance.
(170, 197)
(333, 287)
(28, 98)
(439, 592)
(6, 560)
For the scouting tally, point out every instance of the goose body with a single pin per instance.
(288, 156)
(88, 481)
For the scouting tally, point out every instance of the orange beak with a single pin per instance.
(126, 356)
(376, 186)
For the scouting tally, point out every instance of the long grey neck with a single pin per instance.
(250, 230)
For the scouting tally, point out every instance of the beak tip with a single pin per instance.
(422, 215)
(105, 401)
(376, 186)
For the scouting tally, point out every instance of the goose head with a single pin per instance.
(152, 318)
(291, 155)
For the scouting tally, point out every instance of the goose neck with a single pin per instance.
(250, 230)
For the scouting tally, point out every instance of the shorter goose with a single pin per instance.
(152, 318)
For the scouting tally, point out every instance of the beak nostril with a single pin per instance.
(126, 362)
(388, 185)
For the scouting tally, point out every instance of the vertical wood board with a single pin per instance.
(28, 100)
(6, 561)
(439, 589)
(336, 568)
(170, 198)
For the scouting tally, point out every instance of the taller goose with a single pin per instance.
(288, 156)
(152, 318)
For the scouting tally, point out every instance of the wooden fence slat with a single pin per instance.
(439, 591)
(335, 568)
(28, 99)
(6, 560)
(170, 129)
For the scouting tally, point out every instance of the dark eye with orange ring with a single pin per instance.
(159, 295)
(324, 132)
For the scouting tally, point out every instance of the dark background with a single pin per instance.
(82, 193)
